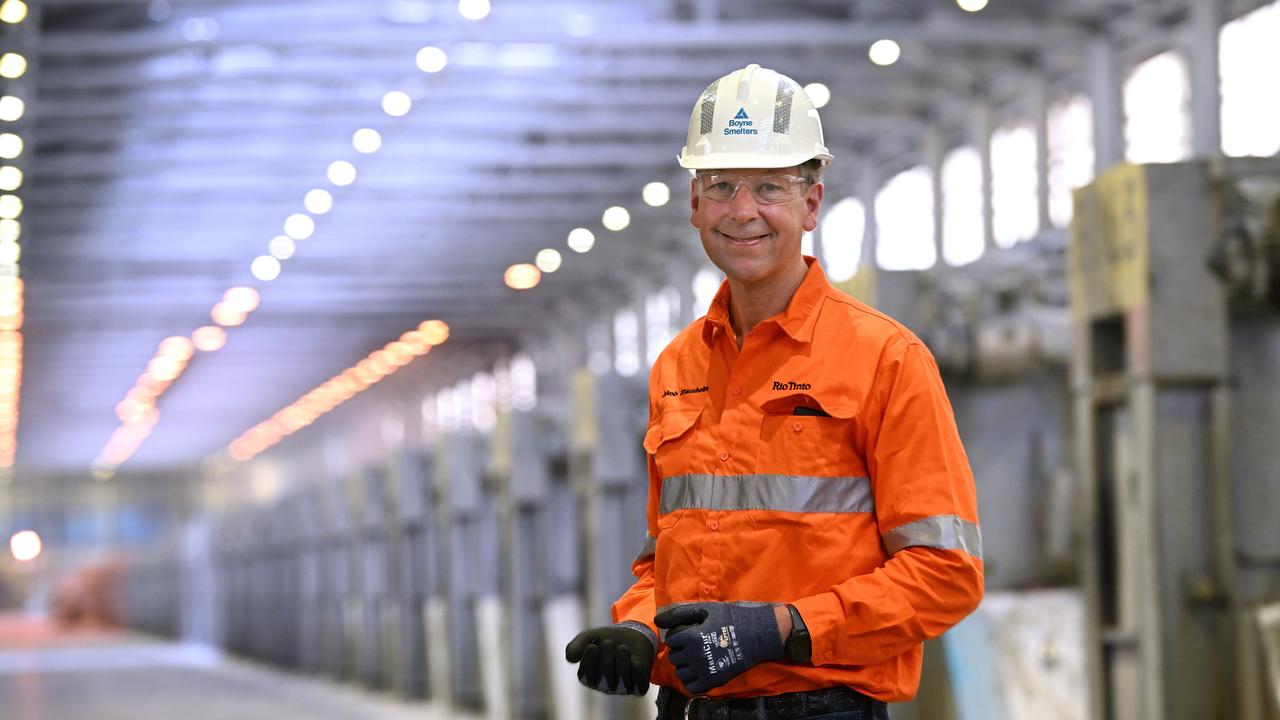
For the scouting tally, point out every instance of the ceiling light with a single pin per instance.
(616, 218)
(656, 194)
(10, 146)
(12, 65)
(818, 93)
(299, 226)
(242, 298)
(177, 346)
(10, 252)
(435, 332)
(581, 240)
(11, 108)
(10, 231)
(13, 11)
(397, 103)
(341, 173)
(209, 338)
(25, 546)
(473, 9)
(10, 207)
(265, 268)
(548, 260)
(227, 315)
(281, 247)
(522, 276)
(367, 140)
(432, 59)
(971, 5)
(884, 52)
(10, 178)
(318, 202)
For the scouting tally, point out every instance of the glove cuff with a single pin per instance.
(767, 645)
(645, 629)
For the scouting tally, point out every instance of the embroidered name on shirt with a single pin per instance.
(684, 391)
(791, 386)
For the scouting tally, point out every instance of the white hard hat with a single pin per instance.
(753, 118)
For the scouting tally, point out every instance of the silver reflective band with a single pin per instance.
(784, 493)
(650, 547)
(945, 532)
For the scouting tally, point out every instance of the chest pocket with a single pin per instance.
(672, 441)
(819, 442)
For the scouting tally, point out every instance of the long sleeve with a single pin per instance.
(926, 513)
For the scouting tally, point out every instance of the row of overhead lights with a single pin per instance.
(886, 52)
(301, 226)
(340, 388)
(13, 66)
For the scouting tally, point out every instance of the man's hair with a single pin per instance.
(812, 171)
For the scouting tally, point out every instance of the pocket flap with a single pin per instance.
(669, 426)
(809, 405)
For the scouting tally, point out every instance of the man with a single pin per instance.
(812, 516)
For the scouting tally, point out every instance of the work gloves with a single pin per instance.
(712, 643)
(615, 659)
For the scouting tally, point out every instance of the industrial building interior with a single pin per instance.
(325, 329)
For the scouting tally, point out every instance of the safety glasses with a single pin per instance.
(769, 189)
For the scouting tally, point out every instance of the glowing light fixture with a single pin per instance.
(397, 103)
(9, 253)
(209, 338)
(971, 5)
(11, 108)
(367, 140)
(341, 173)
(342, 387)
(548, 260)
(177, 346)
(656, 194)
(10, 207)
(616, 218)
(318, 202)
(227, 315)
(581, 240)
(25, 546)
(10, 146)
(242, 298)
(299, 226)
(281, 247)
(13, 11)
(432, 59)
(522, 276)
(884, 52)
(10, 178)
(10, 231)
(265, 268)
(12, 65)
(820, 94)
(473, 9)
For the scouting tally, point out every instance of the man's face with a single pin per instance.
(750, 241)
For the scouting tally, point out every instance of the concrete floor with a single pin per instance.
(107, 676)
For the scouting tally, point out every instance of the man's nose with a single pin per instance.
(743, 205)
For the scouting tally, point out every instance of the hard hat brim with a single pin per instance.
(741, 161)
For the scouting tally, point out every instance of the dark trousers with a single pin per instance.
(825, 704)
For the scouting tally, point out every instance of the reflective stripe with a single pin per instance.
(784, 493)
(945, 532)
(650, 547)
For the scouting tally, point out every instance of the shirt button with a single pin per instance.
(706, 589)
(724, 455)
(827, 654)
(735, 390)
(796, 426)
(713, 525)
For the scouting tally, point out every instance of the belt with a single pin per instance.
(674, 706)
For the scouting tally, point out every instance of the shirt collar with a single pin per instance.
(797, 320)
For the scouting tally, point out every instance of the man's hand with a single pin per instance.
(712, 643)
(615, 659)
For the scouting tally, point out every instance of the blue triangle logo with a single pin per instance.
(742, 114)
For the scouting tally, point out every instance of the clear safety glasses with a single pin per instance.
(770, 189)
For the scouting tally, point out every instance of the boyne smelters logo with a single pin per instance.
(741, 124)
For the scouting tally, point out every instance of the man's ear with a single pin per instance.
(813, 201)
(693, 202)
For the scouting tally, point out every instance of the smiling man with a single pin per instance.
(812, 516)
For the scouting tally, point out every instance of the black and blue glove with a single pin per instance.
(614, 659)
(712, 643)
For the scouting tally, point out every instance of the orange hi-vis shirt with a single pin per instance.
(820, 466)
